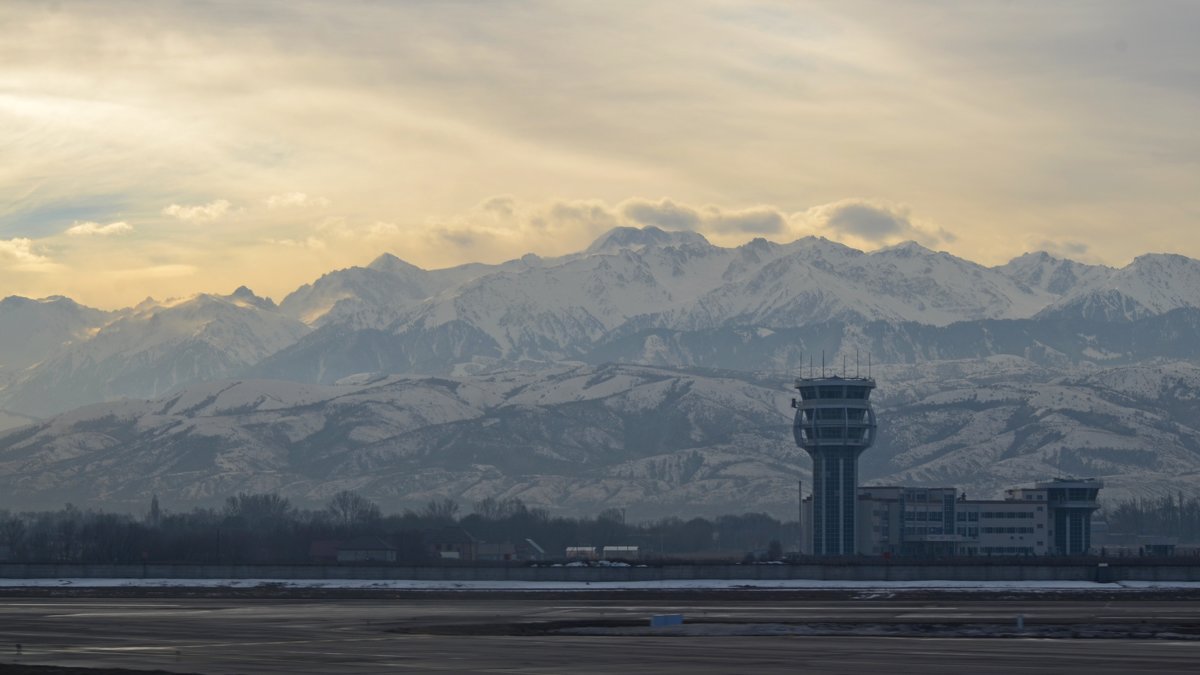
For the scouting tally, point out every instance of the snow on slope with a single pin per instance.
(1151, 284)
(563, 307)
(631, 280)
(1124, 425)
(815, 280)
(555, 311)
(155, 348)
(578, 439)
(359, 297)
(394, 317)
(1040, 270)
(568, 437)
(32, 330)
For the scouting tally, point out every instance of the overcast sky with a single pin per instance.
(167, 148)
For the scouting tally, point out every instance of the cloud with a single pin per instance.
(199, 213)
(19, 254)
(170, 271)
(504, 227)
(867, 222)
(672, 216)
(295, 200)
(757, 220)
(665, 214)
(1060, 247)
(591, 217)
(315, 243)
(93, 229)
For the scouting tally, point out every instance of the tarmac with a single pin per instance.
(534, 633)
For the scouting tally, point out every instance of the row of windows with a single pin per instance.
(835, 414)
(922, 515)
(810, 393)
(1008, 530)
(853, 433)
(1006, 514)
(923, 530)
(1006, 550)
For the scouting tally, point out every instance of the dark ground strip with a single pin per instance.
(270, 591)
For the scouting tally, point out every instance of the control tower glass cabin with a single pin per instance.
(834, 424)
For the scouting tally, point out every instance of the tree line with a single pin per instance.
(1162, 516)
(268, 528)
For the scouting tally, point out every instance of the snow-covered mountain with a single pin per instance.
(815, 280)
(1135, 427)
(631, 280)
(634, 295)
(33, 330)
(1083, 344)
(576, 438)
(1151, 284)
(360, 297)
(579, 439)
(615, 300)
(1040, 270)
(571, 382)
(154, 348)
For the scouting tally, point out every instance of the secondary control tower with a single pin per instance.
(834, 424)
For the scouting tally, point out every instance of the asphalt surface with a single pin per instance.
(518, 633)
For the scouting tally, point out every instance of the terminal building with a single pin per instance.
(1051, 518)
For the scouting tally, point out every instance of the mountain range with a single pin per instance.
(408, 383)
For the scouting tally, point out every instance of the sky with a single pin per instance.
(168, 148)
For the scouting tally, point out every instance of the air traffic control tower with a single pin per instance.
(834, 424)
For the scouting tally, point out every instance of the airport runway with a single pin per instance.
(514, 633)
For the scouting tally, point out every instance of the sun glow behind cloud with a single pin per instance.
(267, 143)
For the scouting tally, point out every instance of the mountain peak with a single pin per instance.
(392, 265)
(636, 238)
(20, 300)
(1162, 259)
(244, 296)
(907, 248)
(1033, 257)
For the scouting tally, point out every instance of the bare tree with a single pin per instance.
(258, 509)
(444, 510)
(350, 509)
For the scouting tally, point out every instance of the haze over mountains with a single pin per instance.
(648, 371)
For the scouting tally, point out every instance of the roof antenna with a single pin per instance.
(822, 363)
(843, 366)
(868, 365)
(856, 373)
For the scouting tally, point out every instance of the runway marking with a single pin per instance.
(129, 649)
(182, 612)
(5, 605)
(933, 615)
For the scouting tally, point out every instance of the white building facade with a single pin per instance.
(1051, 518)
